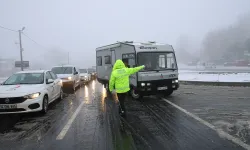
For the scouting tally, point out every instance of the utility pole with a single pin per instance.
(21, 48)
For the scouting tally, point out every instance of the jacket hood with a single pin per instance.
(118, 64)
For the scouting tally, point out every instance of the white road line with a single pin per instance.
(69, 123)
(221, 133)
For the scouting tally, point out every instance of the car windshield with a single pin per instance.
(25, 78)
(62, 70)
(83, 71)
(155, 61)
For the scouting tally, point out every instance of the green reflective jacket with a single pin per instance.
(119, 78)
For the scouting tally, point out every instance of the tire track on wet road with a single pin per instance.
(178, 132)
(153, 124)
(138, 136)
(221, 133)
(69, 123)
(164, 124)
(88, 130)
(139, 122)
(121, 139)
(227, 108)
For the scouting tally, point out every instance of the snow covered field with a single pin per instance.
(218, 74)
(214, 77)
(218, 68)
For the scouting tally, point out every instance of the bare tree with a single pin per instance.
(228, 44)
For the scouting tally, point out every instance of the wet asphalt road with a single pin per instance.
(87, 119)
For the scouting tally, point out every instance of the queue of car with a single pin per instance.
(34, 90)
(69, 76)
(85, 76)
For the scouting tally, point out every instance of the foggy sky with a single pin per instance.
(79, 26)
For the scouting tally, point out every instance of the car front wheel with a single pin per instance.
(61, 94)
(136, 95)
(45, 105)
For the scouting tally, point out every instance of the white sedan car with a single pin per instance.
(29, 91)
(84, 75)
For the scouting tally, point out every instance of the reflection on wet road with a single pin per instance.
(87, 119)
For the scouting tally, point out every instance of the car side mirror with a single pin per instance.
(49, 81)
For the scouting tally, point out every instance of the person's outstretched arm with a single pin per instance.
(134, 70)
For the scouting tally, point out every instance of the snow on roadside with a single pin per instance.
(218, 67)
(194, 76)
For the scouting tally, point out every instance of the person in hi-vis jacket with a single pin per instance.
(119, 82)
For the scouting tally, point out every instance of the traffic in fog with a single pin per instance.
(127, 75)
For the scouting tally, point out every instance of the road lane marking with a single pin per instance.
(64, 131)
(221, 133)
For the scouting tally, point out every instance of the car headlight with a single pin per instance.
(69, 78)
(85, 76)
(148, 84)
(32, 96)
(175, 81)
(142, 84)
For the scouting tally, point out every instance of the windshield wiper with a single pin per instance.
(166, 69)
(157, 70)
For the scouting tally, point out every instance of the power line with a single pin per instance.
(34, 41)
(8, 29)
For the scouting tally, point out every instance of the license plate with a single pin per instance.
(163, 88)
(8, 106)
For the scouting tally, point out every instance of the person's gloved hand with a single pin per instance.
(113, 92)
